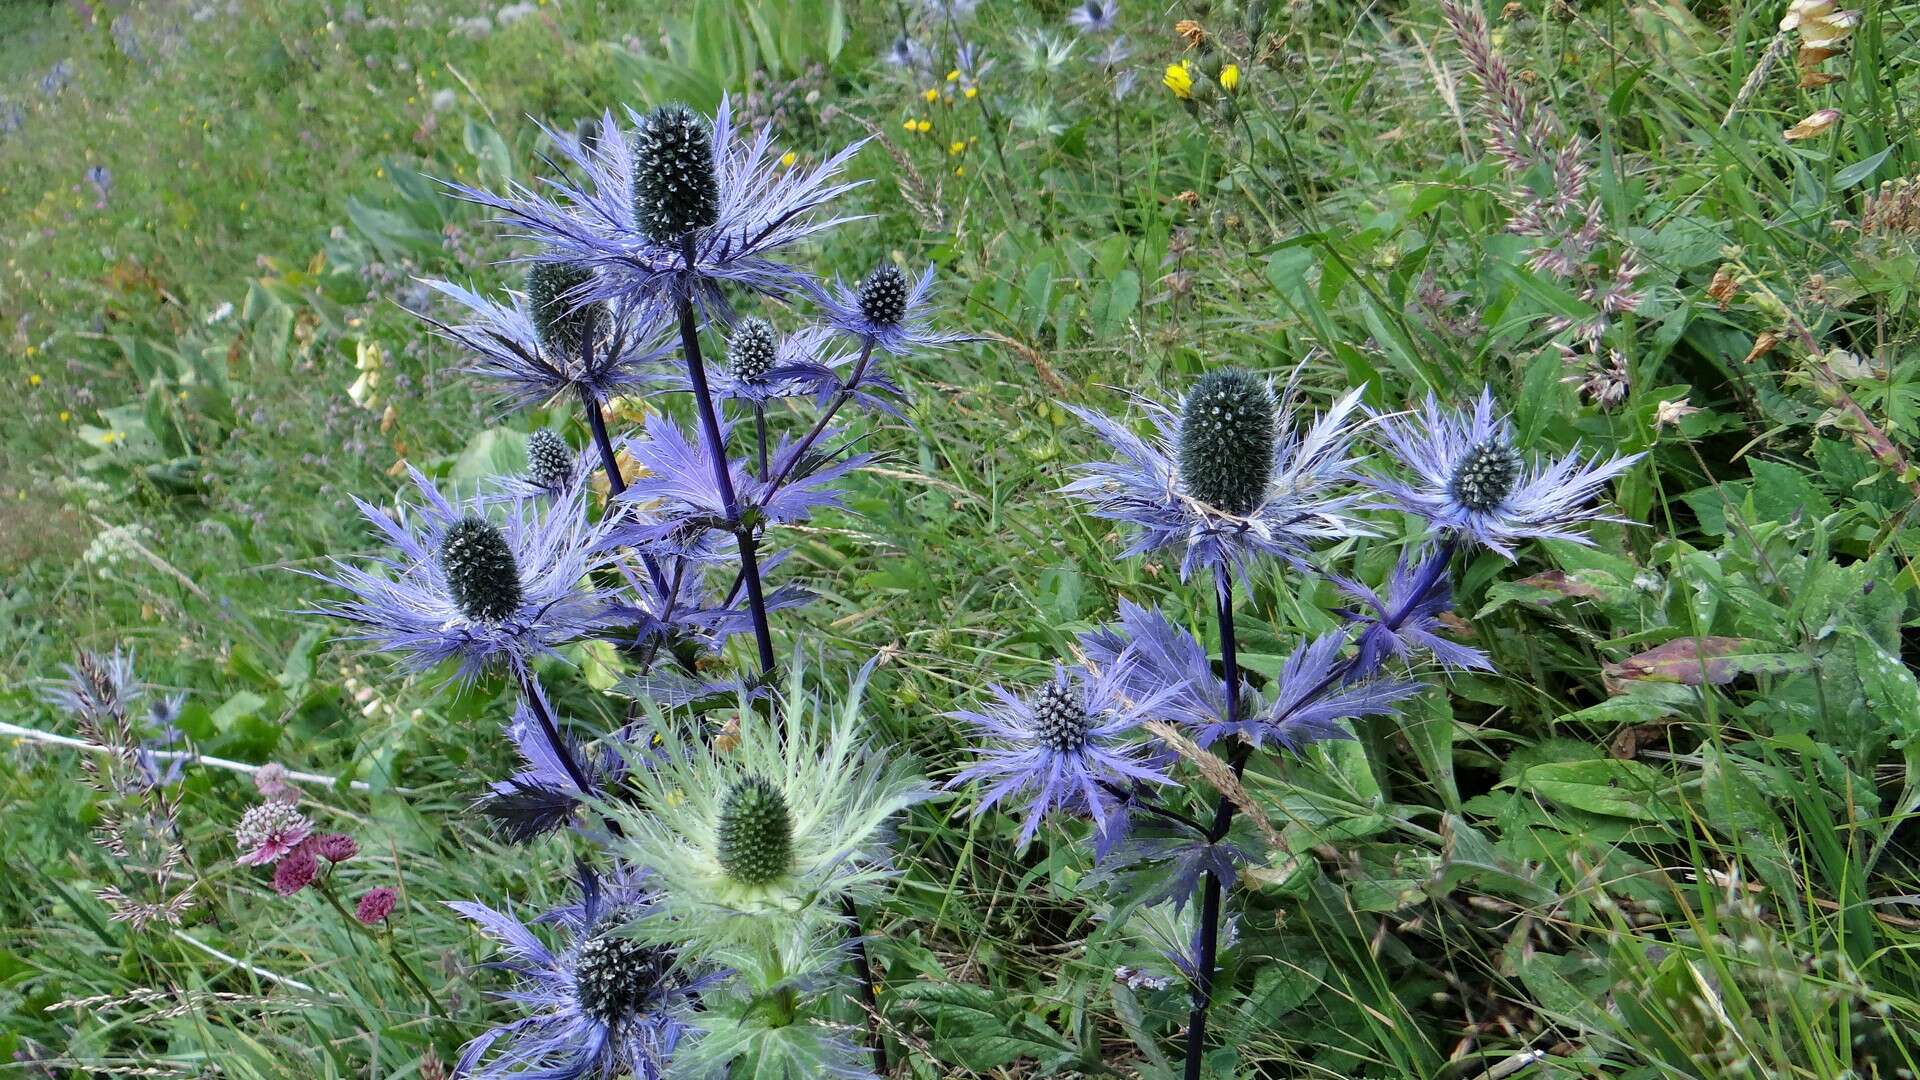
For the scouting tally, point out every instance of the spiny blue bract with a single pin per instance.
(1226, 440)
(481, 574)
(675, 191)
(883, 296)
(1486, 475)
(756, 833)
(752, 349)
(1060, 720)
(619, 977)
(549, 461)
(559, 318)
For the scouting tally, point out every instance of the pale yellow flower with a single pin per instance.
(1668, 413)
(1816, 124)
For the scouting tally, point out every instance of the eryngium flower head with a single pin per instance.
(1407, 619)
(751, 350)
(473, 589)
(756, 832)
(597, 1005)
(757, 846)
(269, 831)
(1226, 440)
(1094, 16)
(564, 323)
(1470, 481)
(1306, 500)
(675, 187)
(1065, 747)
(550, 461)
(605, 215)
(533, 364)
(886, 311)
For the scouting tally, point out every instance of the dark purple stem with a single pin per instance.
(560, 748)
(722, 477)
(616, 484)
(863, 971)
(1222, 821)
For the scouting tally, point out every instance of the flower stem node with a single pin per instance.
(675, 189)
(549, 460)
(1227, 440)
(481, 574)
(619, 977)
(756, 833)
(751, 350)
(1486, 475)
(560, 319)
(883, 296)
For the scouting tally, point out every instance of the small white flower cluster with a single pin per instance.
(116, 542)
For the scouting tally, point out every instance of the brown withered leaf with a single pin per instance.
(1557, 581)
(1762, 345)
(1723, 286)
(1692, 661)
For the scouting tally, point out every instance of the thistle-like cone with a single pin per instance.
(1226, 440)
(675, 191)
(1061, 719)
(549, 461)
(883, 297)
(756, 833)
(618, 977)
(480, 571)
(751, 350)
(1486, 475)
(560, 319)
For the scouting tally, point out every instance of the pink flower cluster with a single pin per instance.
(276, 834)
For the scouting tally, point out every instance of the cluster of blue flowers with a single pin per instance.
(1228, 482)
(655, 232)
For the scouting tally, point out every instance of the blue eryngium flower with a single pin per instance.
(599, 1005)
(505, 346)
(1094, 16)
(887, 311)
(1470, 482)
(1404, 621)
(1066, 747)
(591, 217)
(465, 587)
(1305, 497)
(762, 365)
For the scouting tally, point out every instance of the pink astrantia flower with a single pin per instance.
(296, 871)
(270, 780)
(376, 905)
(268, 831)
(336, 847)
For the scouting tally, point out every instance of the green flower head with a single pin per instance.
(756, 846)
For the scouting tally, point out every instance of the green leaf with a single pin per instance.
(241, 705)
(1859, 170)
(1623, 789)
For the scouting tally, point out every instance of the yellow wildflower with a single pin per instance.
(65, 416)
(958, 146)
(931, 93)
(1230, 77)
(787, 159)
(33, 380)
(954, 75)
(972, 92)
(1179, 79)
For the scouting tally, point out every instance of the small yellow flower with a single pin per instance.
(33, 380)
(65, 416)
(787, 159)
(923, 126)
(31, 349)
(972, 92)
(959, 170)
(1230, 77)
(1179, 79)
(954, 75)
(953, 148)
(931, 93)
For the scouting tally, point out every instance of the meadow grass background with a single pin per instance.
(1664, 870)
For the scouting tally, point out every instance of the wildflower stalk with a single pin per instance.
(400, 962)
(827, 414)
(1222, 821)
(616, 483)
(863, 974)
(560, 748)
(730, 502)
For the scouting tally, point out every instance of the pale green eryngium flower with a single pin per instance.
(757, 843)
